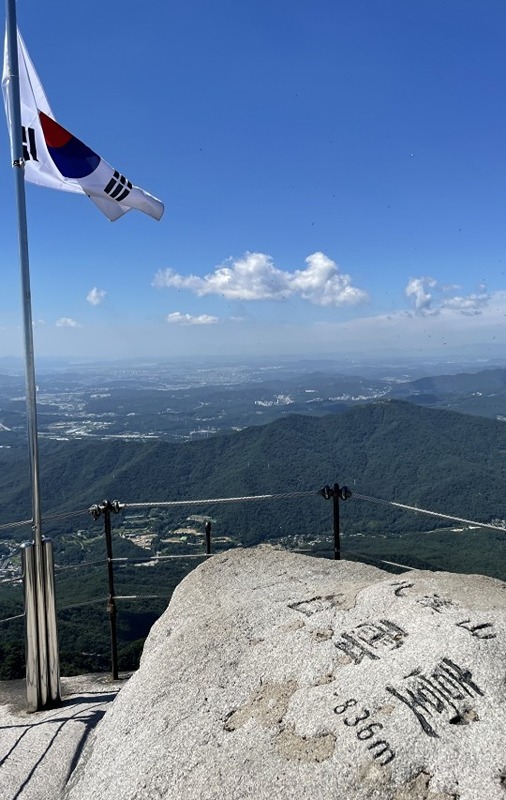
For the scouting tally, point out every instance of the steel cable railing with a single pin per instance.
(289, 495)
(139, 597)
(79, 564)
(427, 512)
(245, 498)
(14, 579)
(125, 561)
(210, 501)
(16, 616)
(22, 524)
(50, 518)
(97, 600)
(84, 603)
(377, 560)
(153, 559)
(66, 515)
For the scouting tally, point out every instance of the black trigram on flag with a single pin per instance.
(118, 187)
(29, 146)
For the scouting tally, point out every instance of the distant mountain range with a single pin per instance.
(482, 393)
(490, 380)
(143, 404)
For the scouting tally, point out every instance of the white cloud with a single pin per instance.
(177, 318)
(66, 322)
(322, 284)
(96, 296)
(470, 305)
(404, 331)
(417, 290)
(427, 303)
(254, 277)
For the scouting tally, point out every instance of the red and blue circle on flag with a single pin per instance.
(72, 158)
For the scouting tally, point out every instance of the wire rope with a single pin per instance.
(209, 501)
(84, 603)
(438, 514)
(9, 619)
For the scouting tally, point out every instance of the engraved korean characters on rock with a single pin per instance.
(438, 690)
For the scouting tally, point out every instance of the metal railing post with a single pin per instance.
(337, 541)
(111, 603)
(207, 530)
(337, 493)
(105, 508)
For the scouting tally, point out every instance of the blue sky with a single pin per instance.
(333, 174)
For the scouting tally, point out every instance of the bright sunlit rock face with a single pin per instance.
(278, 675)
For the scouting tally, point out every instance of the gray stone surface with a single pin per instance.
(38, 752)
(274, 675)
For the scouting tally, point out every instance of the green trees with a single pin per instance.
(395, 451)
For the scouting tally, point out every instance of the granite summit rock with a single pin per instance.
(275, 675)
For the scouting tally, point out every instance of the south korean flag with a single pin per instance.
(55, 158)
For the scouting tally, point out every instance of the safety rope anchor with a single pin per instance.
(341, 492)
(100, 508)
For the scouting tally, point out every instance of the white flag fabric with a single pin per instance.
(58, 160)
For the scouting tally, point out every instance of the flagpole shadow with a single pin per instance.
(86, 709)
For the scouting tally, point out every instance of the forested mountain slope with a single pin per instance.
(393, 450)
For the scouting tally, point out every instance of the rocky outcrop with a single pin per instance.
(275, 675)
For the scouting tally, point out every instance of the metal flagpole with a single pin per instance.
(39, 691)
